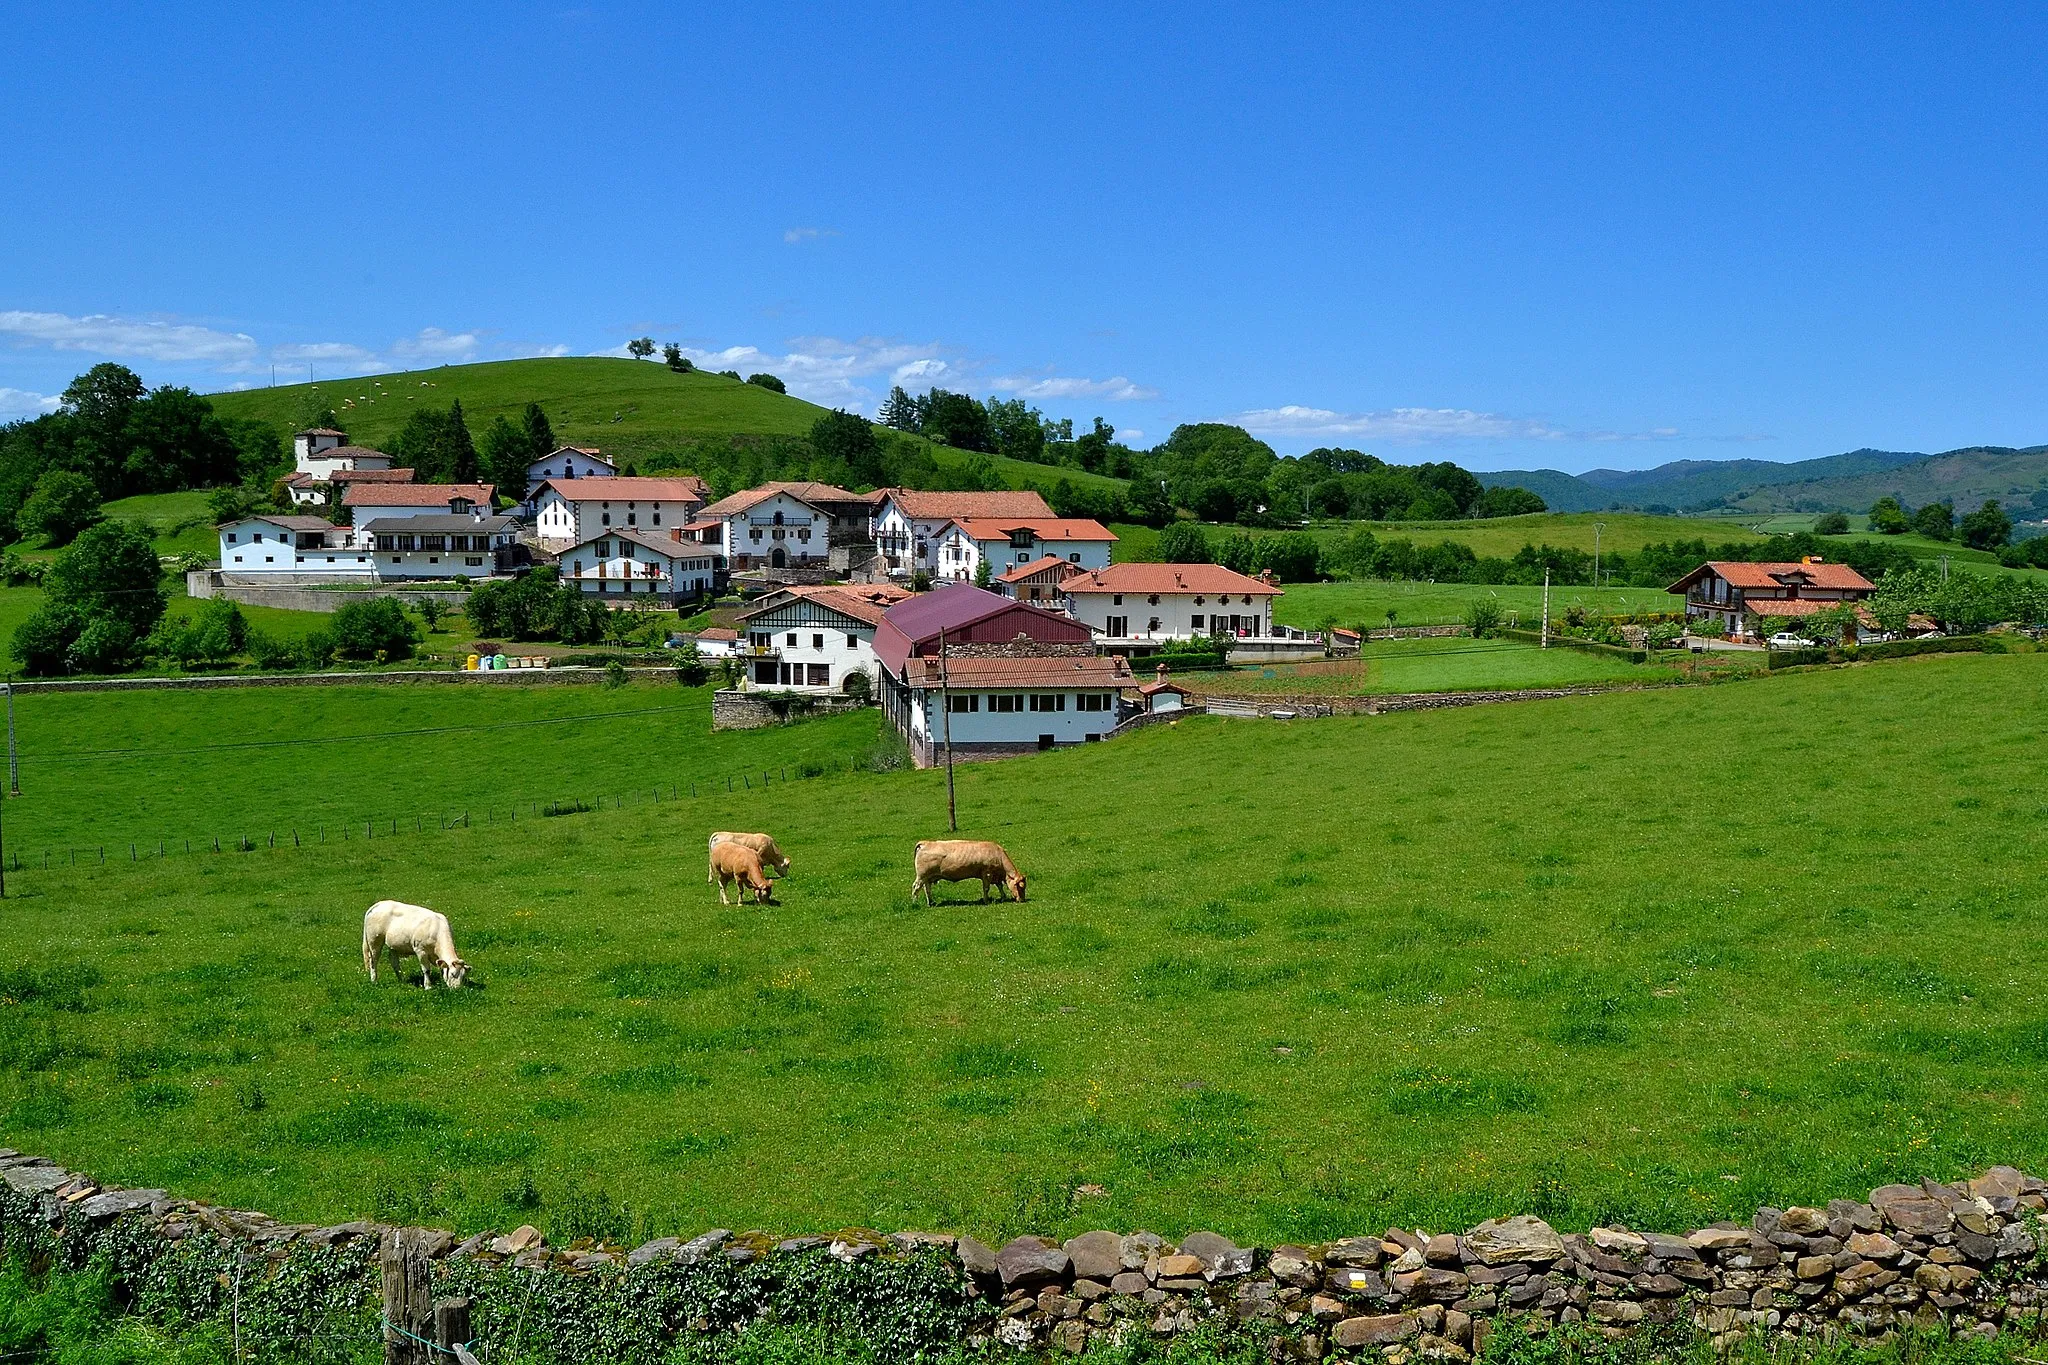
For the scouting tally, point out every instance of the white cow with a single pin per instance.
(412, 930)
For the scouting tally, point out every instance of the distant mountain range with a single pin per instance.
(1849, 482)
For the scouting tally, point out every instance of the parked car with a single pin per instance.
(1785, 639)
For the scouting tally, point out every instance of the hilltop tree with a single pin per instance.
(956, 420)
(901, 411)
(640, 347)
(99, 404)
(672, 356)
(768, 382)
(172, 440)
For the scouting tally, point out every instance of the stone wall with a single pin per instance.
(733, 709)
(1309, 706)
(1963, 1257)
(1020, 649)
(205, 583)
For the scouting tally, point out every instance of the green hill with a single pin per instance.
(630, 409)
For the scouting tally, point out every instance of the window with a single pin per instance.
(817, 642)
(1020, 540)
(657, 518)
(960, 705)
(626, 548)
(269, 559)
(576, 567)
(1195, 621)
(1074, 558)
(1048, 701)
(1119, 626)
(759, 639)
(1006, 701)
(1152, 625)
(755, 535)
(853, 642)
(1091, 701)
(792, 638)
(231, 537)
(238, 559)
(474, 561)
(818, 675)
(1116, 599)
(607, 518)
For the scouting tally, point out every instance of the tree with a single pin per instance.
(846, 437)
(640, 347)
(1294, 557)
(1987, 528)
(1183, 542)
(1238, 553)
(99, 404)
(956, 420)
(672, 356)
(540, 433)
(437, 444)
(42, 643)
(768, 382)
(1936, 521)
(690, 671)
(1888, 518)
(901, 411)
(507, 454)
(231, 503)
(373, 628)
(111, 571)
(173, 440)
(432, 609)
(62, 505)
(983, 576)
(215, 633)
(1831, 524)
(1508, 501)
(1017, 429)
(1483, 616)
(463, 465)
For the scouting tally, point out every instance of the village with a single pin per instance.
(980, 622)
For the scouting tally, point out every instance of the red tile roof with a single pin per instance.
(978, 675)
(920, 506)
(862, 602)
(687, 488)
(1788, 606)
(717, 633)
(1746, 575)
(347, 453)
(370, 476)
(1045, 528)
(416, 494)
(1039, 565)
(1207, 579)
(321, 431)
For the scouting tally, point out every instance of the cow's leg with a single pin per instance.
(426, 971)
(984, 891)
(721, 891)
(370, 960)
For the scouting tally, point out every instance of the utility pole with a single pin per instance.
(1598, 526)
(13, 754)
(1546, 609)
(946, 723)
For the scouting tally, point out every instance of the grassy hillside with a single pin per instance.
(628, 408)
(1281, 980)
(1964, 477)
(1365, 602)
(1502, 536)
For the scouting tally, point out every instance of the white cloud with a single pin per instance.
(130, 338)
(1129, 436)
(22, 403)
(830, 371)
(335, 357)
(437, 346)
(1116, 390)
(807, 234)
(1422, 426)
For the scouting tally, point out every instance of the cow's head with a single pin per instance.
(1015, 883)
(453, 971)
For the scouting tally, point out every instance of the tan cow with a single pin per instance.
(401, 930)
(965, 860)
(740, 865)
(763, 844)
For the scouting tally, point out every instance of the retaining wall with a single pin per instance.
(1266, 703)
(1964, 1258)
(203, 584)
(733, 709)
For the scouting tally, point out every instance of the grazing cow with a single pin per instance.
(403, 930)
(740, 865)
(763, 844)
(965, 860)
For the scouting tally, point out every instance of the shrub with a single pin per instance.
(615, 674)
(42, 643)
(1831, 524)
(1184, 542)
(690, 670)
(108, 644)
(373, 628)
(768, 382)
(217, 632)
(62, 505)
(1483, 616)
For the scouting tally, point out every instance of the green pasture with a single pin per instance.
(1356, 603)
(1449, 664)
(1501, 537)
(628, 408)
(1653, 957)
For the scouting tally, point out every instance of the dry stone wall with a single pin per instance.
(1964, 1257)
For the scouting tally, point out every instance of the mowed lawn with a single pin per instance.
(1364, 603)
(1653, 957)
(1449, 664)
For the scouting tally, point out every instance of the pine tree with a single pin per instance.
(540, 436)
(899, 410)
(462, 462)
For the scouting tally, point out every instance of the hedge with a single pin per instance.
(1634, 656)
(1891, 649)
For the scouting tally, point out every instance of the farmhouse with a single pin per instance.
(1039, 581)
(1150, 603)
(1015, 677)
(664, 568)
(1728, 597)
(290, 549)
(816, 639)
(568, 512)
(907, 523)
(1003, 543)
(323, 458)
(367, 503)
(569, 462)
(770, 527)
(471, 544)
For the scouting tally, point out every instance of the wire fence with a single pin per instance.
(255, 836)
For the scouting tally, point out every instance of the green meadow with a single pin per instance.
(1449, 664)
(1363, 603)
(1652, 956)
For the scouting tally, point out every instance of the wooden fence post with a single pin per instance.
(408, 1297)
(451, 1324)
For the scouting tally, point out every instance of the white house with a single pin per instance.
(369, 502)
(310, 490)
(661, 567)
(1009, 705)
(770, 527)
(291, 549)
(1041, 581)
(907, 523)
(441, 545)
(1145, 603)
(814, 639)
(568, 512)
(1005, 543)
(569, 462)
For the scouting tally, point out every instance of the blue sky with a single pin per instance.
(1576, 237)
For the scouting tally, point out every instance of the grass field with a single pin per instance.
(628, 408)
(1452, 664)
(1502, 536)
(1365, 602)
(1653, 957)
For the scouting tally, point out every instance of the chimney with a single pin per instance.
(1160, 672)
(1266, 577)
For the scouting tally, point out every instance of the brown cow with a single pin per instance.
(740, 865)
(763, 844)
(965, 860)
